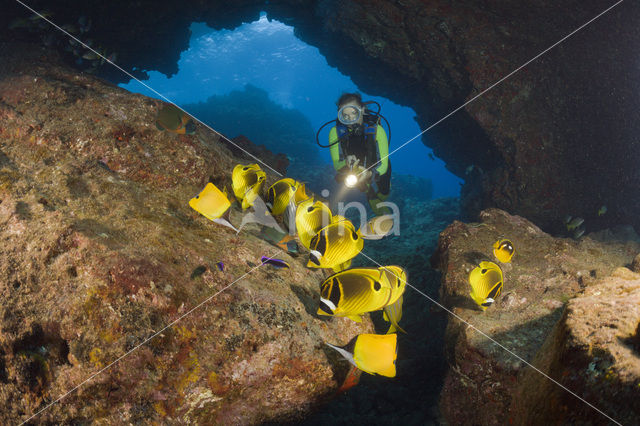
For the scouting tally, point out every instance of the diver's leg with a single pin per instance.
(383, 185)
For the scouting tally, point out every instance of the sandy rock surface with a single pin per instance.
(485, 382)
(99, 251)
(594, 351)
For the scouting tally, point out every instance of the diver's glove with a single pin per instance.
(342, 173)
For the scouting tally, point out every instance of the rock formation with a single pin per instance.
(89, 206)
(101, 253)
(566, 307)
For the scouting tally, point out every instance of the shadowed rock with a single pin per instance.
(532, 319)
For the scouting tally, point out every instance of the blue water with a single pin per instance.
(268, 55)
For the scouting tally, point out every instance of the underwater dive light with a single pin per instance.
(351, 180)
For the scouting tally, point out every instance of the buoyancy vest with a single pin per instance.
(359, 141)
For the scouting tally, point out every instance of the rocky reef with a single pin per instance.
(569, 308)
(101, 253)
(100, 250)
(263, 122)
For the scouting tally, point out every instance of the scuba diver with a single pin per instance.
(359, 149)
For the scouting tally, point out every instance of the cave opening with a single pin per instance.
(261, 81)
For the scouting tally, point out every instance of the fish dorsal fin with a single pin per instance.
(347, 355)
(225, 222)
(301, 194)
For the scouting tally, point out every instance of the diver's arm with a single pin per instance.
(335, 150)
(383, 149)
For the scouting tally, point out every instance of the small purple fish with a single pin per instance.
(276, 263)
(220, 266)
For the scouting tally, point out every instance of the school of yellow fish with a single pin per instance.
(332, 242)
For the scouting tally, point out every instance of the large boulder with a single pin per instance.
(113, 309)
(488, 381)
(594, 351)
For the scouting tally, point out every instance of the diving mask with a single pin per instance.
(349, 114)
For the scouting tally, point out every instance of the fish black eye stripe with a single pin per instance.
(337, 293)
(495, 290)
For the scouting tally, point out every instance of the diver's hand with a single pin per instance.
(342, 173)
(364, 178)
(364, 175)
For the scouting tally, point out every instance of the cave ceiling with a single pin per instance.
(558, 137)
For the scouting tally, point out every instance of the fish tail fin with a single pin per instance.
(352, 379)
(394, 327)
(394, 324)
(393, 314)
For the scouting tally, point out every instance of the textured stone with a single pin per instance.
(635, 265)
(593, 351)
(101, 252)
(545, 273)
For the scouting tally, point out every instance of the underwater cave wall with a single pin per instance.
(551, 140)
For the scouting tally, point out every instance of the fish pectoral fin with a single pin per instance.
(356, 318)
